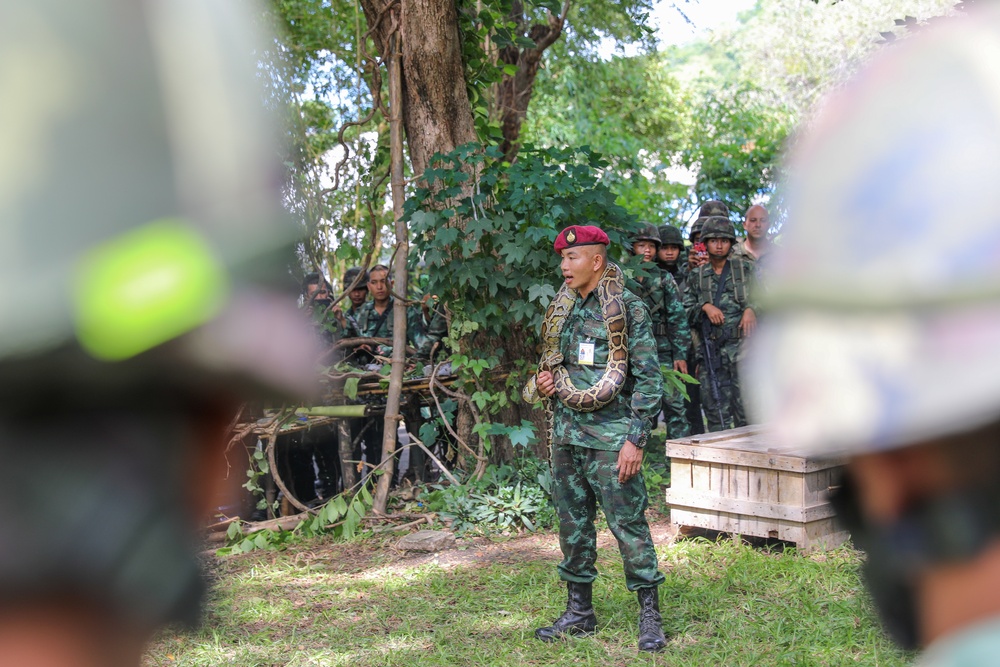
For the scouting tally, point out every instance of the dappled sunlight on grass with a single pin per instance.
(723, 603)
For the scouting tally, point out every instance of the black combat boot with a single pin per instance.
(650, 623)
(579, 617)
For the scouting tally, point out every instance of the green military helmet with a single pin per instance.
(717, 227)
(670, 235)
(647, 233)
(713, 207)
(141, 231)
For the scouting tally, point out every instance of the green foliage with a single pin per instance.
(491, 243)
(736, 149)
(676, 382)
(339, 518)
(506, 500)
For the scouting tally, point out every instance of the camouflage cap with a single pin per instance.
(717, 227)
(647, 233)
(670, 235)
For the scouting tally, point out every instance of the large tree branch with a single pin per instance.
(514, 92)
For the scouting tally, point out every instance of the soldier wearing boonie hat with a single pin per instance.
(597, 455)
(887, 353)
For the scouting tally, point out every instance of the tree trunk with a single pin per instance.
(513, 93)
(437, 113)
(391, 423)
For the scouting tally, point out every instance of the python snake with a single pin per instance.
(610, 293)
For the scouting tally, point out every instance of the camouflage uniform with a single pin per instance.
(740, 250)
(586, 444)
(370, 324)
(734, 300)
(672, 334)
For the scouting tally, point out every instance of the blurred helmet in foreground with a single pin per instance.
(883, 319)
(141, 237)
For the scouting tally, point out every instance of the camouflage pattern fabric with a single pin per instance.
(703, 286)
(370, 324)
(584, 477)
(740, 251)
(661, 296)
(630, 415)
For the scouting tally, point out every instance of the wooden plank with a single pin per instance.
(791, 489)
(756, 459)
(822, 535)
(718, 480)
(744, 443)
(817, 485)
(680, 474)
(700, 476)
(693, 500)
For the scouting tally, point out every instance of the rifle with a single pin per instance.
(713, 362)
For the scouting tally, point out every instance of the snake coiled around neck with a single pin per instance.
(610, 291)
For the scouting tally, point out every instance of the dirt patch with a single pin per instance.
(380, 552)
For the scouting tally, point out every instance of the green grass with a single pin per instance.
(724, 603)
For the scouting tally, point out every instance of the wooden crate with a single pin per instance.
(733, 481)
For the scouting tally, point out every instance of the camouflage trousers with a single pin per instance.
(727, 412)
(674, 409)
(582, 478)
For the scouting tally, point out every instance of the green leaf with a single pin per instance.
(351, 386)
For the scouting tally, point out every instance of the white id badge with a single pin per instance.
(585, 355)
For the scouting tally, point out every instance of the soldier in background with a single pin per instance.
(710, 208)
(671, 255)
(719, 307)
(317, 298)
(887, 354)
(347, 318)
(160, 303)
(670, 328)
(757, 242)
(374, 319)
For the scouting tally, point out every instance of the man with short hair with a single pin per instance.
(375, 320)
(720, 308)
(597, 455)
(757, 243)
(892, 363)
(659, 293)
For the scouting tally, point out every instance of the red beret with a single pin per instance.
(580, 235)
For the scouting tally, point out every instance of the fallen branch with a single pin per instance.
(389, 529)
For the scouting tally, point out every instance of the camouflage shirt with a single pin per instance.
(666, 309)
(370, 324)
(740, 250)
(630, 415)
(679, 272)
(736, 297)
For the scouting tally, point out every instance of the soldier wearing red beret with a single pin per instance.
(597, 455)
